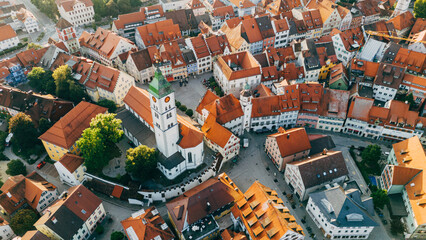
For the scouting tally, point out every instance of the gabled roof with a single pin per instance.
(208, 98)
(23, 14)
(419, 26)
(264, 214)
(159, 32)
(217, 44)
(321, 168)
(191, 206)
(225, 109)
(402, 21)
(29, 57)
(341, 210)
(138, 17)
(414, 61)
(200, 47)
(7, 32)
(146, 225)
(138, 100)
(63, 24)
(69, 128)
(222, 12)
(195, 4)
(243, 64)
(185, 18)
(71, 162)
(34, 235)
(141, 59)
(334, 103)
(216, 132)
(291, 141)
(403, 175)
(19, 190)
(68, 5)
(102, 41)
(360, 108)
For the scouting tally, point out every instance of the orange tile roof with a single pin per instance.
(173, 54)
(264, 214)
(352, 39)
(208, 98)
(251, 30)
(263, 91)
(190, 136)
(233, 35)
(68, 5)
(23, 14)
(116, 192)
(148, 225)
(414, 61)
(189, 207)
(223, 12)
(402, 21)
(247, 64)
(225, 109)
(136, 17)
(218, 4)
(217, 44)
(419, 26)
(215, 132)
(292, 72)
(7, 32)
(370, 69)
(195, 4)
(414, 81)
(360, 108)
(242, 3)
(200, 47)
(402, 175)
(326, 7)
(412, 149)
(334, 103)
(159, 32)
(23, 190)
(231, 235)
(69, 128)
(71, 162)
(291, 141)
(103, 77)
(102, 41)
(275, 105)
(368, 7)
(278, 6)
(138, 100)
(281, 25)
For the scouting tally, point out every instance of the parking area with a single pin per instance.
(50, 170)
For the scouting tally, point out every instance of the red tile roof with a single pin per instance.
(200, 47)
(147, 225)
(402, 21)
(217, 44)
(246, 65)
(71, 162)
(222, 12)
(68, 5)
(136, 17)
(69, 128)
(159, 32)
(414, 61)
(225, 109)
(7, 32)
(291, 141)
(208, 98)
(215, 132)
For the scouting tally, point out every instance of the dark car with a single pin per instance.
(41, 164)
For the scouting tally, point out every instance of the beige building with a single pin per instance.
(78, 12)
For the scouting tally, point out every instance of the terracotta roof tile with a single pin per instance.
(71, 162)
(200, 47)
(360, 108)
(291, 141)
(159, 32)
(215, 132)
(190, 136)
(245, 65)
(402, 21)
(208, 98)
(147, 225)
(224, 11)
(69, 128)
(68, 5)
(225, 109)
(136, 17)
(419, 26)
(6, 32)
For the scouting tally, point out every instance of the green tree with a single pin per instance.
(99, 8)
(91, 145)
(49, 85)
(44, 125)
(117, 235)
(112, 107)
(76, 92)
(371, 154)
(380, 198)
(1, 183)
(112, 8)
(16, 167)
(141, 161)
(24, 132)
(183, 108)
(36, 78)
(135, 3)
(124, 6)
(397, 227)
(109, 126)
(23, 221)
(189, 112)
(34, 46)
(61, 75)
(420, 9)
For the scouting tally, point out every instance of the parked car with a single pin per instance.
(41, 164)
(245, 142)
(384, 221)
(8, 138)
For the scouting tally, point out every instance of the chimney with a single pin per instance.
(208, 207)
(288, 135)
(324, 151)
(229, 62)
(65, 195)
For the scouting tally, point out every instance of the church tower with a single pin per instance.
(246, 105)
(163, 109)
(66, 34)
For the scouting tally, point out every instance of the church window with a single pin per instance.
(189, 157)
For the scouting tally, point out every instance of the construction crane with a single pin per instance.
(384, 34)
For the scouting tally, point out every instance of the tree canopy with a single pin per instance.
(420, 9)
(34, 46)
(371, 154)
(24, 132)
(66, 86)
(16, 167)
(96, 141)
(36, 77)
(380, 198)
(117, 235)
(141, 161)
(23, 221)
(112, 107)
(47, 7)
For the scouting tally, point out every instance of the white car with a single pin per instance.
(245, 142)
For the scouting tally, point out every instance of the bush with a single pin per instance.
(117, 236)
(178, 104)
(41, 36)
(108, 104)
(100, 229)
(183, 108)
(397, 227)
(16, 167)
(189, 112)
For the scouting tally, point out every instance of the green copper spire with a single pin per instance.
(159, 86)
(247, 86)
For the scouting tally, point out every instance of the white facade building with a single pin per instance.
(78, 12)
(25, 20)
(70, 169)
(282, 31)
(338, 214)
(6, 232)
(8, 37)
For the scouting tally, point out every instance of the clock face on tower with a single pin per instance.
(167, 99)
(154, 99)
